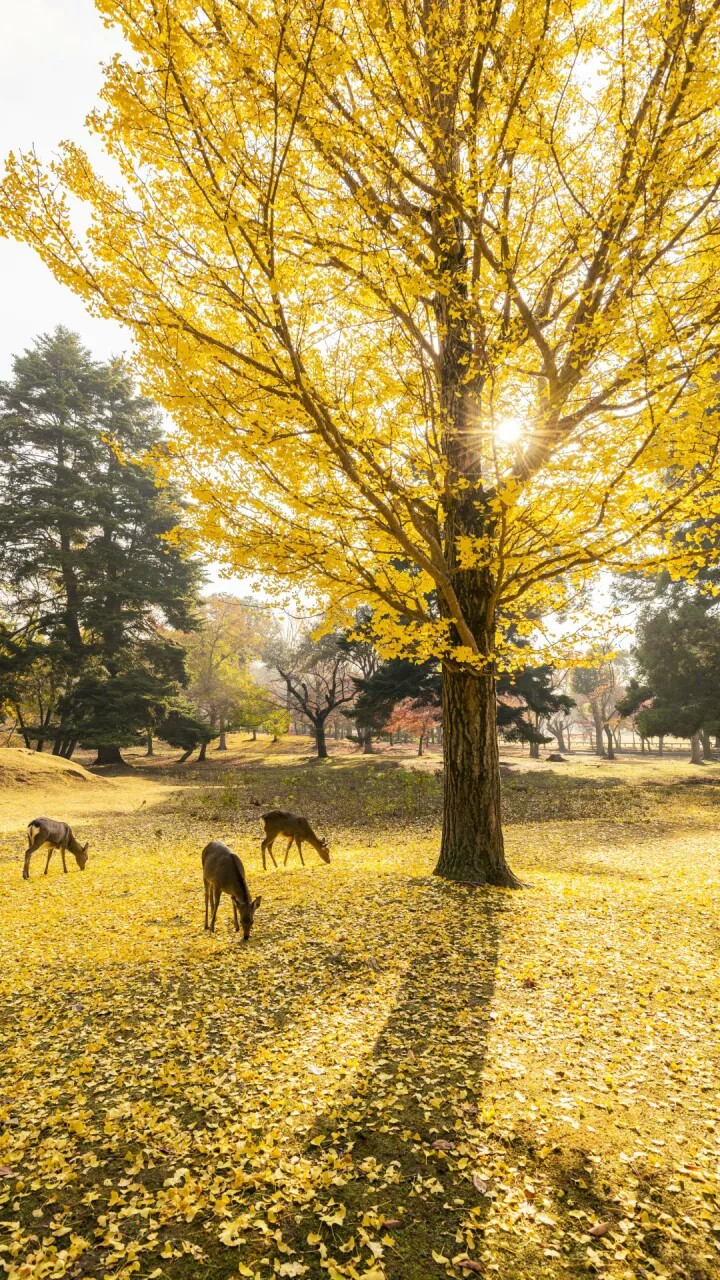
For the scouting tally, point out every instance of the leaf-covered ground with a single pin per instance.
(397, 1077)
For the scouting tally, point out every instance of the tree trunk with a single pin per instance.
(597, 718)
(68, 748)
(534, 750)
(254, 735)
(696, 754)
(706, 745)
(610, 744)
(320, 743)
(40, 744)
(150, 748)
(420, 744)
(108, 755)
(186, 755)
(203, 751)
(21, 727)
(661, 745)
(222, 744)
(367, 742)
(472, 843)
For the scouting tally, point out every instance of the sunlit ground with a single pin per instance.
(396, 1077)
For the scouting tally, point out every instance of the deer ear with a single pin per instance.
(257, 902)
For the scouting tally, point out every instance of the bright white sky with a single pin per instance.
(50, 56)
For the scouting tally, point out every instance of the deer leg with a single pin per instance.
(287, 851)
(216, 904)
(63, 848)
(207, 894)
(299, 845)
(270, 844)
(32, 846)
(235, 916)
(51, 851)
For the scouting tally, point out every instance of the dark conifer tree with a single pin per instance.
(83, 524)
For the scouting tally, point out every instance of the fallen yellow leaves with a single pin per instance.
(173, 1105)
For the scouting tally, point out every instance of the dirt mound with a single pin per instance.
(22, 768)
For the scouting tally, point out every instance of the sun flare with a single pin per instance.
(509, 430)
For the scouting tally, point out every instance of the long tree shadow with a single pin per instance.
(389, 1137)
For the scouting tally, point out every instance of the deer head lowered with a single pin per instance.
(58, 836)
(223, 872)
(294, 828)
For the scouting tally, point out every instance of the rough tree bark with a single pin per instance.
(472, 847)
(108, 755)
(610, 744)
(706, 744)
(320, 743)
(696, 753)
(222, 744)
(598, 722)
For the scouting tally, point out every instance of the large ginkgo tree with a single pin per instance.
(431, 289)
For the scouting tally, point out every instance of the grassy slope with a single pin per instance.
(396, 1073)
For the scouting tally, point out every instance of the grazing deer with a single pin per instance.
(298, 829)
(223, 872)
(59, 836)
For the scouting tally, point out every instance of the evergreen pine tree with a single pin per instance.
(83, 524)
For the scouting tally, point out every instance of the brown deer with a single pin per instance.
(59, 836)
(277, 823)
(223, 872)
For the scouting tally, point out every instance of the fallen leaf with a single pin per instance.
(600, 1229)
